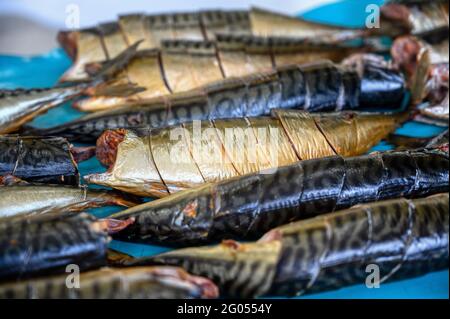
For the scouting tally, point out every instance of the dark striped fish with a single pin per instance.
(426, 68)
(401, 238)
(181, 65)
(44, 244)
(20, 106)
(425, 18)
(248, 206)
(107, 40)
(38, 159)
(316, 87)
(108, 283)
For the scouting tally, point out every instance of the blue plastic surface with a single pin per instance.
(43, 71)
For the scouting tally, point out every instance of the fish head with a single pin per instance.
(239, 269)
(183, 218)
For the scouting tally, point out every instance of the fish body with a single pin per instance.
(108, 283)
(160, 162)
(248, 206)
(38, 159)
(20, 106)
(426, 67)
(44, 244)
(419, 18)
(18, 200)
(402, 238)
(107, 40)
(320, 86)
(181, 66)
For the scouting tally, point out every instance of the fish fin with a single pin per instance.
(115, 90)
(116, 258)
(10, 180)
(110, 68)
(94, 68)
(81, 154)
(419, 78)
(439, 140)
(123, 199)
(402, 142)
(116, 225)
(149, 189)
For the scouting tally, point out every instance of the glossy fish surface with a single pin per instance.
(157, 163)
(105, 41)
(108, 283)
(248, 206)
(38, 199)
(403, 238)
(18, 107)
(47, 243)
(319, 86)
(38, 159)
(181, 66)
(420, 18)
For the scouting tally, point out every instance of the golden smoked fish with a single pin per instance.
(424, 18)
(314, 87)
(110, 283)
(25, 199)
(405, 238)
(160, 162)
(107, 40)
(183, 65)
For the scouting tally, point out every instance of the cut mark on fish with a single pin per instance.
(191, 209)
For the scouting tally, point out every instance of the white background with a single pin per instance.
(29, 27)
(52, 12)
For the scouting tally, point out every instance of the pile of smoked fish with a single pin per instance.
(243, 141)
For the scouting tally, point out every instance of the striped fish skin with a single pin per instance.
(38, 159)
(16, 200)
(108, 283)
(47, 243)
(246, 207)
(103, 42)
(320, 86)
(402, 237)
(421, 18)
(20, 106)
(181, 65)
(157, 163)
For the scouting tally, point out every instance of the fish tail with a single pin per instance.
(81, 154)
(122, 199)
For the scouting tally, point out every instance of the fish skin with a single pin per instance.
(327, 252)
(248, 206)
(38, 159)
(181, 66)
(420, 18)
(18, 107)
(162, 162)
(97, 43)
(44, 244)
(131, 283)
(291, 87)
(28, 200)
